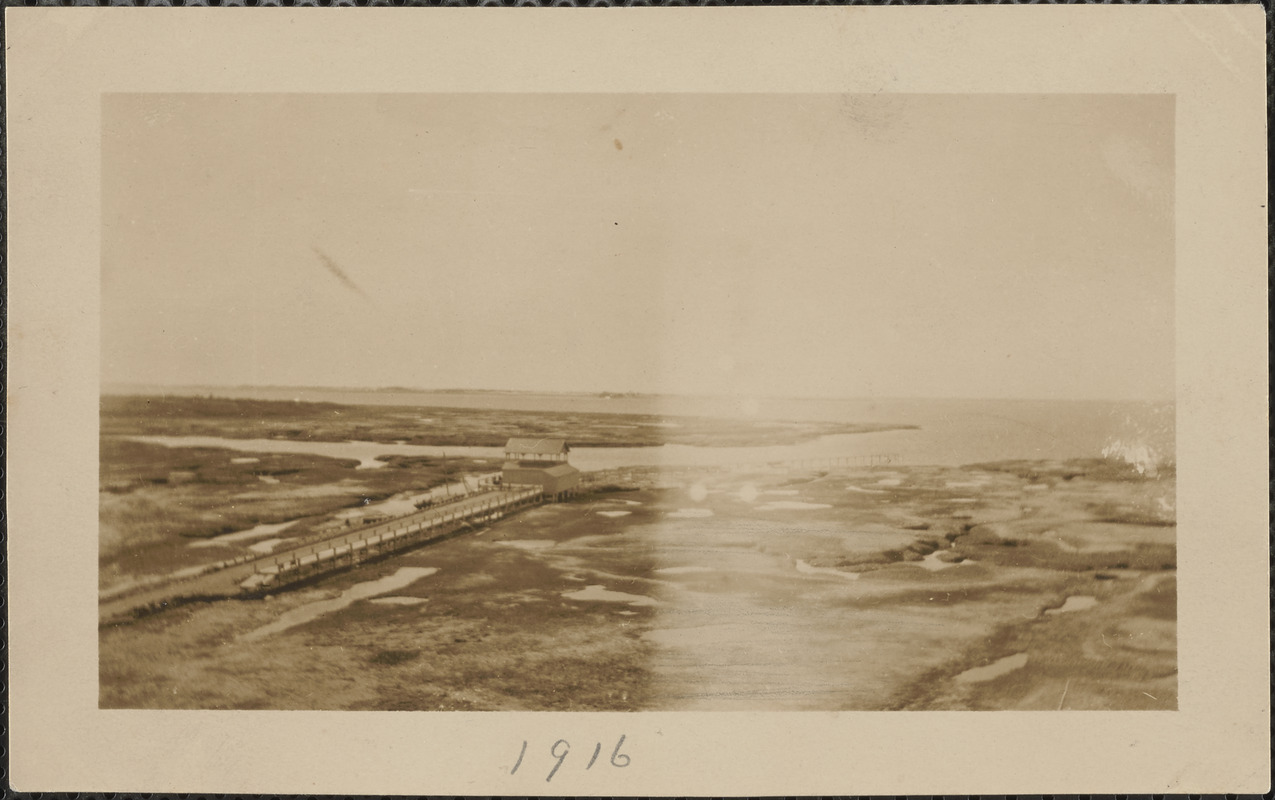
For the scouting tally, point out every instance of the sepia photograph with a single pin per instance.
(756, 402)
(630, 402)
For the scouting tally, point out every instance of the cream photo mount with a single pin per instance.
(60, 63)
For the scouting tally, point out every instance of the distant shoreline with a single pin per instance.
(228, 391)
(445, 426)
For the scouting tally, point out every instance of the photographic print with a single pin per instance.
(637, 402)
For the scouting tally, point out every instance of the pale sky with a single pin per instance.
(796, 245)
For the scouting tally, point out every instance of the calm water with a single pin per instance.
(951, 431)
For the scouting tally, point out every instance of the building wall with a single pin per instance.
(530, 476)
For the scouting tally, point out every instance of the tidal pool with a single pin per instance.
(600, 593)
(1077, 602)
(933, 562)
(527, 544)
(861, 490)
(300, 615)
(807, 569)
(791, 505)
(239, 536)
(398, 600)
(691, 513)
(997, 668)
(267, 546)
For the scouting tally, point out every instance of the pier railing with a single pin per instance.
(386, 537)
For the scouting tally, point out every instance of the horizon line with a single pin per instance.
(105, 388)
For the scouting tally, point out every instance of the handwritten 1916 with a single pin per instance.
(559, 750)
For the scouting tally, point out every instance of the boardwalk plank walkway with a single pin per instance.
(314, 557)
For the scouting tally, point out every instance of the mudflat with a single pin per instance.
(1013, 585)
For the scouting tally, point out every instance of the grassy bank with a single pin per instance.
(329, 422)
(156, 501)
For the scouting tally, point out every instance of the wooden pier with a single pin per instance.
(248, 576)
(301, 563)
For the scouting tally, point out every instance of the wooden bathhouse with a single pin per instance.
(540, 462)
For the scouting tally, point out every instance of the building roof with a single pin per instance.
(536, 446)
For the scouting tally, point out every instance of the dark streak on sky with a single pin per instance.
(336, 270)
